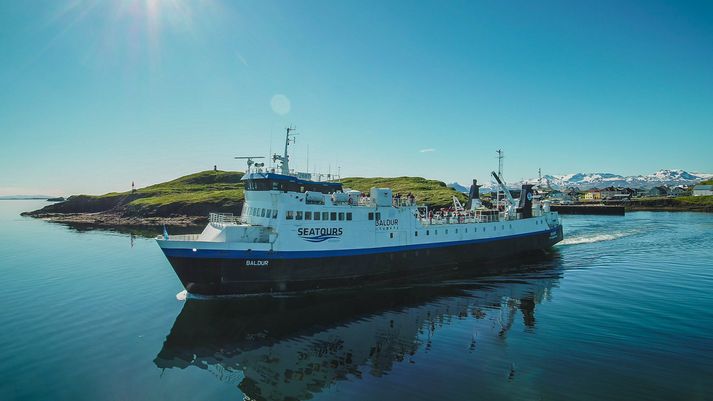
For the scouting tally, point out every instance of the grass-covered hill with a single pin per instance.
(431, 192)
(222, 191)
(685, 203)
(192, 195)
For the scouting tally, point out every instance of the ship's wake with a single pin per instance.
(589, 239)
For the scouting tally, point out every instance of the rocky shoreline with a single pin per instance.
(110, 220)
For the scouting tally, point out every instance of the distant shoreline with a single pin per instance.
(16, 199)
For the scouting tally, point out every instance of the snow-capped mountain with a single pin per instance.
(601, 180)
(458, 187)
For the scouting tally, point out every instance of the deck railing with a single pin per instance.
(223, 218)
(180, 237)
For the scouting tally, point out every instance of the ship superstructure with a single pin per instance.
(297, 233)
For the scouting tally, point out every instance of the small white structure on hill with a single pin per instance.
(703, 190)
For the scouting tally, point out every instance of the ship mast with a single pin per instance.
(500, 173)
(285, 158)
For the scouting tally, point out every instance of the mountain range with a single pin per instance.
(601, 180)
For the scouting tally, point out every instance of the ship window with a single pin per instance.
(298, 215)
(274, 214)
(456, 231)
(325, 215)
(466, 230)
(503, 226)
(446, 231)
(428, 232)
(308, 215)
(333, 216)
(349, 216)
(378, 216)
(391, 235)
(371, 215)
(262, 212)
(483, 229)
(317, 215)
(290, 215)
(415, 234)
(341, 216)
(435, 232)
(510, 225)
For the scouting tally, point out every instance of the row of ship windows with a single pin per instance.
(260, 212)
(334, 216)
(300, 215)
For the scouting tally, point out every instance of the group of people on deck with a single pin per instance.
(411, 199)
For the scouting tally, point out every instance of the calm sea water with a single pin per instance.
(622, 309)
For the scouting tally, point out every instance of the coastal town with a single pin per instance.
(618, 195)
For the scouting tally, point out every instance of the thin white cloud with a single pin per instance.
(242, 59)
(427, 150)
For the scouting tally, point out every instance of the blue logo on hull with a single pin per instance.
(319, 234)
(320, 238)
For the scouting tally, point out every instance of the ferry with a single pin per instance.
(298, 233)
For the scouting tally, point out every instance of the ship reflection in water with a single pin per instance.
(296, 347)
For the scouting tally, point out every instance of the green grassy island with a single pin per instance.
(188, 200)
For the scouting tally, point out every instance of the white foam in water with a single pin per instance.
(181, 296)
(588, 239)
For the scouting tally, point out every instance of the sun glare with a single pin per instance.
(131, 24)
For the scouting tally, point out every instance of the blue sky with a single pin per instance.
(96, 94)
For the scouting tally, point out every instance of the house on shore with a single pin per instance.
(558, 196)
(658, 191)
(680, 190)
(703, 190)
(593, 194)
(614, 193)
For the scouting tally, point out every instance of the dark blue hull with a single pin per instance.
(222, 274)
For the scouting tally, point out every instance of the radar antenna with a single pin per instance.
(250, 161)
(285, 158)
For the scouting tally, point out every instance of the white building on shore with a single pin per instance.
(703, 190)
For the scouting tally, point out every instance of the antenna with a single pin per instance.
(501, 156)
(270, 151)
(250, 161)
(539, 176)
(285, 158)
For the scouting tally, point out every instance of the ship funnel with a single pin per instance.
(525, 206)
(474, 196)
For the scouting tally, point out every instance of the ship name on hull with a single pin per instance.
(320, 234)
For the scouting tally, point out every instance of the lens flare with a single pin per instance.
(132, 29)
